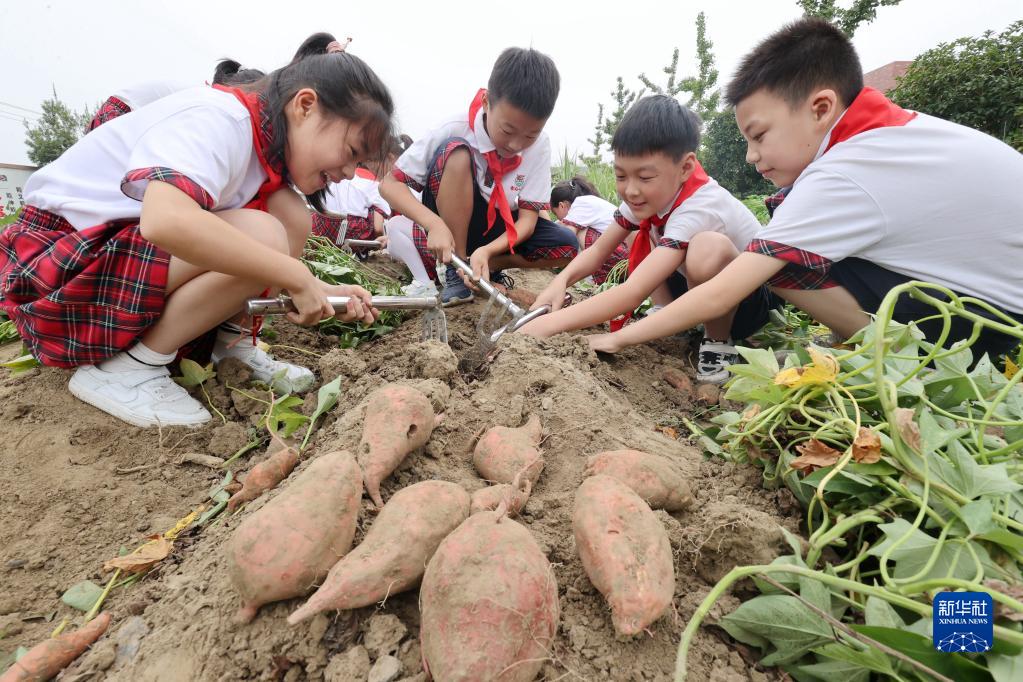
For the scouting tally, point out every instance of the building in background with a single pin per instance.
(12, 187)
(885, 78)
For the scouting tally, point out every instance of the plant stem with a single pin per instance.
(103, 595)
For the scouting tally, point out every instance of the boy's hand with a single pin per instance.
(440, 242)
(553, 295)
(479, 261)
(605, 343)
(360, 308)
(382, 240)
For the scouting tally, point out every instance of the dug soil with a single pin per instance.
(77, 487)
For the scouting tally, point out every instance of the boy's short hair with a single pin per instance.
(796, 60)
(526, 79)
(657, 123)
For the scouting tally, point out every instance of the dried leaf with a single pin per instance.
(814, 454)
(867, 447)
(1015, 591)
(668, 431)
(822, 369)
(143, 558)
(183, 523)
(750, 412)
(908, 429)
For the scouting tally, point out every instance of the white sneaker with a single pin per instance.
(713, 361)
(143, 397)
(653, 309)
(417, 288)
(282, 377)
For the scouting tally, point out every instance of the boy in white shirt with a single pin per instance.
(696, 225)
(880, 196)
(485, 176)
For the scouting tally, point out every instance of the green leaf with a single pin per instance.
(1005, 668)
(762, 360)
(82, 596)
(921, 649)
(781, 620)
(815, 592)
(972, 480)
(866, 658)
(977, 517)
(837, 671)
(326, 399)
(913, 554)
(879, 612)
(193, 374)
(22, 363)
(789, 580)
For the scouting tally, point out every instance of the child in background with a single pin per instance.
(880, 196)
(485, 176)
(577, 204)
(358, 200)
(142, 236)
(697, 225)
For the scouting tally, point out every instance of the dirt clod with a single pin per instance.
(351, 666)
(384, 634)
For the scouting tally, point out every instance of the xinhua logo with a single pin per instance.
(963, 622)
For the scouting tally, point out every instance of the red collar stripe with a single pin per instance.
(869, 111)
(498, 167)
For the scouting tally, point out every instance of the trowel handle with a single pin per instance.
(370, 244)
(488, 288)
(283, 304)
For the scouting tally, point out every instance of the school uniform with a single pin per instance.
(127, 100)
(501, 186)
(357, 199)
(76, 276)
(591, 215)
(701, 205)
(893, 196)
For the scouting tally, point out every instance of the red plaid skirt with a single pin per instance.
(108, 111)
(330, 227)
(79, 297)
(621, 253)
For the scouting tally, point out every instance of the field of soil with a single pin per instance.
(76, 486)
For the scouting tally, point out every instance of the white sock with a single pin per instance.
(139, 356)
(401, 246)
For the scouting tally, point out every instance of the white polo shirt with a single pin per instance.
(355, 197)
(711, 208)
(139, 95)
(199, 139)
(931, 200)
(590, 211)
(528, 186)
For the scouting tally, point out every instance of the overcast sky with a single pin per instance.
(433, 56)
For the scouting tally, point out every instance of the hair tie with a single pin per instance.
(334, 46)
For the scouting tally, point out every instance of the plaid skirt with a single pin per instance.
(330, 227)
(621, 253)
(108, 111)
(78, 297)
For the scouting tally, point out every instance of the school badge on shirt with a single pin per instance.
(963, 622)
(520, 182)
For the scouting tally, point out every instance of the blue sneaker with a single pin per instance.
(455, 292)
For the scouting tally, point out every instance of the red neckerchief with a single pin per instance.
(641, 247)
(868, 111)
(498, 167)
(262, 135)
(365, 174)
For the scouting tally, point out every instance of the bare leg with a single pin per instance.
(198, 300)
(835, 308)
(504, 261)
(707, 255)
(289, 207)
(455, 197)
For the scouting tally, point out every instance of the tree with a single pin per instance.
(723, 155)
(847, 19)
(977, 82)
(56, 130)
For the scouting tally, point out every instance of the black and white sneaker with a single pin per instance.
(499, 277)
(714, 359)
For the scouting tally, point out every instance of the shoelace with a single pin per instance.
(503, 279)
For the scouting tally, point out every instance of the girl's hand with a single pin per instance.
(440, 242)
(553, 295)
(382, 240)
(538, 328)
(310, 301)
(479, 261)
(605, 343)
(360, 304)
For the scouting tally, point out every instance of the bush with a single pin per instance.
(977, 82)
(723, 155)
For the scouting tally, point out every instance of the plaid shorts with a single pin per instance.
(549, 240)
(78, 297)
(621, 253)
(108, 111)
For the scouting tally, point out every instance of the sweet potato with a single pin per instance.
(399, 419)
(265, 476)
(503, 451)
(284, 549)
(489, 603)
(514, 495)
(625, 552)
(46, 659)
(651, 477)
(394, 553)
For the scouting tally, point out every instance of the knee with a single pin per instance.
(708, 254)
(261, 226)
(459, 162)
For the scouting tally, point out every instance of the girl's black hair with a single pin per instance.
(570, 190)
(230, 72)
(345, 87)
(313, 45)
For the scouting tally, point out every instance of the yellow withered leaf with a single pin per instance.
(823, 369)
